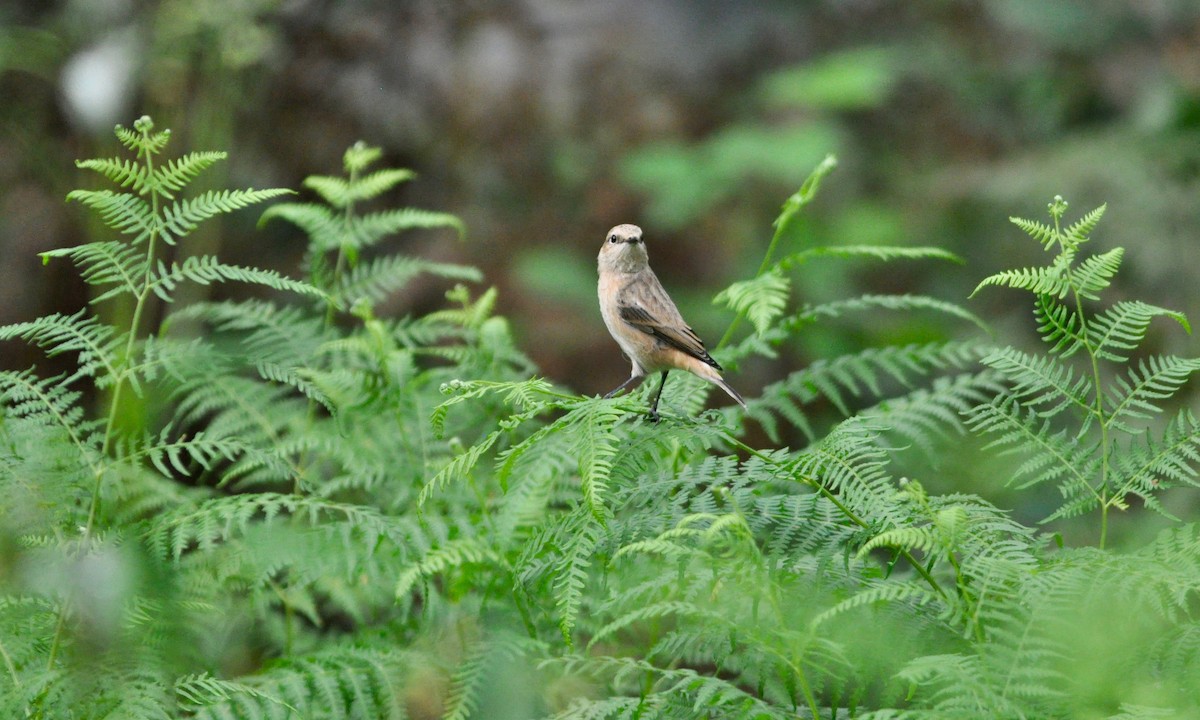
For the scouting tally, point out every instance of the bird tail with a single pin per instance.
(720, 382)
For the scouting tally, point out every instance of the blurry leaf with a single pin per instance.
(847, 80)
(681, 181)
(556, 273)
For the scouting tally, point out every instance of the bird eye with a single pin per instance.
(612, 239)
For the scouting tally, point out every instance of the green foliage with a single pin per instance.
(1080, 414)
(314, 511)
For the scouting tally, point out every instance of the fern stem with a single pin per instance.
(56, 641)
(960, 583)
(1102, 495)
(119, 381)
(12, 668)
(791, 208)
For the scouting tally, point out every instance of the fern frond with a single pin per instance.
(341, 193)
(581, 534)
(141, 139)
(97, 344)
(367, 230)
(183, 216)
(526, 395)
(849, 462)
(452, 554)
(1043, 383)
(855, 375)
(340, 682)
(51, 402)
(173, 456)
(497, 651)
(926, 417)
(1155, 378)
(837, 308)
(1147, 466)
(1078, 232)
(175, 174)
(901, 592)
(1122, 327)
(595, 444)
(1059, 325)
(459, 467)
(123, 172)
(885, 253)
(377, 279)
(1050, 455)
(200, 691)
(325, 231)
(107, 263)
(126, 213)
(205, 526)
(762, 299)
(1041, 280)
(1043, 233)
(1096, 273)
(207, 269)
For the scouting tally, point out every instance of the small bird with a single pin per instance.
(644, 321)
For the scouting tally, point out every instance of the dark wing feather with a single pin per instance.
(672, 331)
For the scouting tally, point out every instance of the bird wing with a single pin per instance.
(663, 322)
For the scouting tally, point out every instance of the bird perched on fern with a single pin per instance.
(644, 321)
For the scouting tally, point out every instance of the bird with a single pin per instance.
(644, 321)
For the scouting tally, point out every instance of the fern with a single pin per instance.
(312, 509)
(1103, 405)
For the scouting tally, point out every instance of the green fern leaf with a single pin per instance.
(595, 444)
(1043, 381)
(1043, 233)
(126, 173)
(325, 231)
(341, 193)
(122, 265)
(1149, 466)
(569, 569)
(359, 156)
(1079, 231)
(208, 269)
(377, 279)
(459, 467)
(367, 230)
(1096, 273)
(1059, 325)
(123, 212)
(183, 216)
(50, 402)
(141, 139)
(867, 303)
(1041, 280)
(97, 344)
(885, 253)
(1122, 327)
(903, 592)
(453, 554)
(176, 174)
(1155, 378)
(1049, 455)
(761, 299)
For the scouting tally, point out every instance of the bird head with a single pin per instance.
(623, 250)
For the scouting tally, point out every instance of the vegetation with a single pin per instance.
(312, 510)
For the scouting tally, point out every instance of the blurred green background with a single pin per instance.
(544, 122)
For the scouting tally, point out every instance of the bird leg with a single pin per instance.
(657, 395)
(624, 385)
